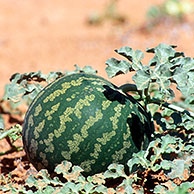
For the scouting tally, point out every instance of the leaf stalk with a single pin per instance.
(133, 88)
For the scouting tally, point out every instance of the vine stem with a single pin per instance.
(132, 87)
(172, 107)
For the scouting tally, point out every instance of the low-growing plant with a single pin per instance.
(166, 166)
(109, 13)
(170, 9)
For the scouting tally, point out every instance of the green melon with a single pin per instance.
(86, 120)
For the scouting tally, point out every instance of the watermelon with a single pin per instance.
(84, 119)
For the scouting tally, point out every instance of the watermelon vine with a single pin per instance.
(166, 166)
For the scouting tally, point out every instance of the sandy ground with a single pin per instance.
(51, 35)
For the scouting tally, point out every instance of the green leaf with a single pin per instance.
(24, 87)
(181, 167)
(166, 164)
(163, 54)
(13, 92)
(97, 179)
(70, 173)
(64, 167)
(85, 69)
(184, 187)
(116, 67)
(173, 188)
(184, 76)
(186, 63)
(1, 123)
(164, 62)
(142, 79)
(189, 100)
(166, 144)
(126, 52)
(134, 56)
(159, 189)
(187, 122)
(71, 187)
(47, 189)
(126, 187)
(42, 180)
(169, 189)
(115, 171)
(177, 170)
(88, 187)
(138, 159)
(162, 75)
(100, 189)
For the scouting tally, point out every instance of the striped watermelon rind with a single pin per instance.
(86, 120)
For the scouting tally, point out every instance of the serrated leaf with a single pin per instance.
(65, 189)
(189, 100)
(126, 187)
(138, 159)
(187, 122)
(64, 167)
(159, 189)
(163, 54)
(72, 187)
(156, 167)
(31, 180)
(97, 179)
(13, 92)
(70, 173)
(47, 189)
(184, 75)
(88, 187)
(44, 175)
(142, 79)
(184, 80)
(166, 141)
(53, 76)
(115, 171)
(181, 167)
(177, 170)
(85, 69)
(18, 78)
(189, 148)
(24, 87)
(116, 67)
(184, 187)
(164, 145)
(134, 56)
(125, 52)
(165, 62)
(166, 164)
(100, 189)
(161, 75)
